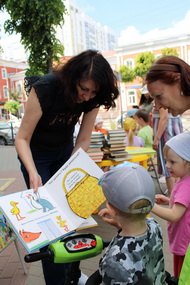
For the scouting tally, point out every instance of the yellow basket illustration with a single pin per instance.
(86, 196)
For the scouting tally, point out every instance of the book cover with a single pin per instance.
(94, 147)
(140, 150)
(117, 148)
(117, 131)
(96, 153)
(116, 141)
(59, 207)
(115, 138)
(97, 135)
(6, 233)
(119, 138)
(119, 153)
(92, 140)
(119, 134)
(118, 145)
(97, 159)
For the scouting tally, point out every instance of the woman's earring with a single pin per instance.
(181, 93)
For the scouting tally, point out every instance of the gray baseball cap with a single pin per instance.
(122, 186)
(181, 145)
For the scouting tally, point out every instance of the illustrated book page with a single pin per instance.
(59, 207)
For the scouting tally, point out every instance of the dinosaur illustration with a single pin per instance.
(43, 203)
(29, 236)
(16, 211)
(62, 223)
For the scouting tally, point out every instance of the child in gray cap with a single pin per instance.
(135, 254)
(177, 153)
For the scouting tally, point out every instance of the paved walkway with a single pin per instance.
(11, 271)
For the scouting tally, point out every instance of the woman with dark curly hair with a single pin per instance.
(55, 103)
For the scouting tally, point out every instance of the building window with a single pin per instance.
(5, 92)
(132, 98)
(129, 63)
(4, 73)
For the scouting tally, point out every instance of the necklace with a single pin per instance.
(141, 233)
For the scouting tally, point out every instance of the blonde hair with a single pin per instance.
(130, 126)
(139, 204)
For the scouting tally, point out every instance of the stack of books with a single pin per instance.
(96, 144)
(116, 146)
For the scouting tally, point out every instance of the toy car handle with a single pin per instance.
(32, 257)
(49, 254)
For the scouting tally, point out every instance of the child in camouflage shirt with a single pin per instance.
(135, 254)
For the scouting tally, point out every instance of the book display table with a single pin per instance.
(142, 159)
(136, 154)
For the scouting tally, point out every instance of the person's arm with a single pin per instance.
(161, 127)
(31, 117)
(170, 215)
(104, 214)
(162, 199)
(83, 138)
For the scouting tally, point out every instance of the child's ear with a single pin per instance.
(113, 210)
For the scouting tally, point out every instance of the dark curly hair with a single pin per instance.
(89, 64)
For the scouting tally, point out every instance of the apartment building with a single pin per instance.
(80, 32)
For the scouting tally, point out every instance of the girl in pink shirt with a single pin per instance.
(177, 153)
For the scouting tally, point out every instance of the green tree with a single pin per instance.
(14, 95)
(143, 63)
(12, 106)
(169, 51)
(127, 73)
(36, 21)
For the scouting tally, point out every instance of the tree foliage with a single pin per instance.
(169, 51)
(14, 95)
(12, 106)
(127, 73)
(36, 21)
(143, 63)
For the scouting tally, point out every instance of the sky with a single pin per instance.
(134, 20)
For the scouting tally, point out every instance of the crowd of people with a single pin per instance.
(45, 142)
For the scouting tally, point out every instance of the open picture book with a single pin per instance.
(61, 206)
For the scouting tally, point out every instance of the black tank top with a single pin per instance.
(55, 128)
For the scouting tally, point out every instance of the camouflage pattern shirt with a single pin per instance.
(135, 260)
